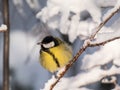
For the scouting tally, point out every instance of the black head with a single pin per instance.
(49, 42)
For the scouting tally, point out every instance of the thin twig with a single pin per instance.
(83, 48)
(103, 43)
(103, 23)
(6, 46)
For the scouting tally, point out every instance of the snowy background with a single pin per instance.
(73, 21)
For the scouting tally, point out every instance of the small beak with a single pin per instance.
(39, 43)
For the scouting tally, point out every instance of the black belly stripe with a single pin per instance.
(54, 58)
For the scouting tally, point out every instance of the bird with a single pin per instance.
(54, 53)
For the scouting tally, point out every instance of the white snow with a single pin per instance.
(57, 13)
(101, 56)
(117, 6)
(101, 37)
(48, 84)
(83, 79)
(3, 27)
(106, 3)
(93, 75)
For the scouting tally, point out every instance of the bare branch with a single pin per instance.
(6, 46)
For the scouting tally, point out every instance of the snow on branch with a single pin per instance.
(106, 18)
(87, 44)
(105, 38)
(3, 28)
(97, 76)
(113, 10)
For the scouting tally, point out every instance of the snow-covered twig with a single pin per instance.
(69, 65)
(83, 48)
(104, 42)
(3, 28)
(104, 22)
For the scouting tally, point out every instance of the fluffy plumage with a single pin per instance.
(54, 53)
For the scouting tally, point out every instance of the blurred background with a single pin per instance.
(31, 20)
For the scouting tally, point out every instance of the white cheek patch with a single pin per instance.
(49, 45)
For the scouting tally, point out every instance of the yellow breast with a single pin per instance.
(61, 53)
